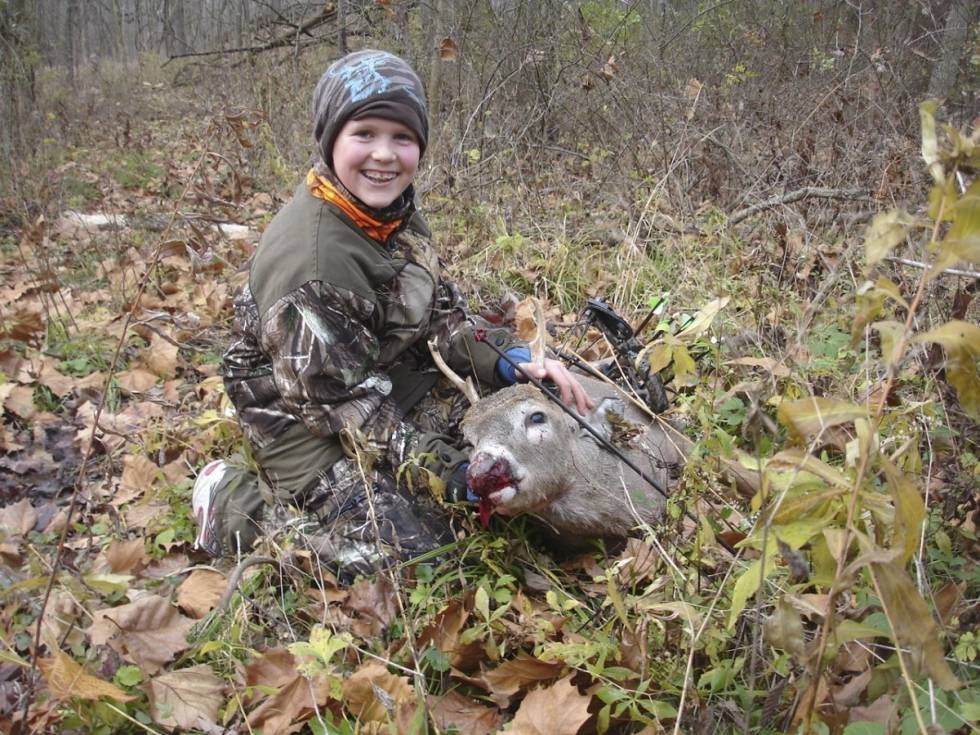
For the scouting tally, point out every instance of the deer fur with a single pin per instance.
(530, 457)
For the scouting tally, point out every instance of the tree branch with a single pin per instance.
(286, 39)
(807, 192)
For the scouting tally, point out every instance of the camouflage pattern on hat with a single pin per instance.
(361, 79)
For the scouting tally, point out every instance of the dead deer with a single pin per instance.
(529, 456)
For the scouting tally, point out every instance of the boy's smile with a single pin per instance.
(376, 159)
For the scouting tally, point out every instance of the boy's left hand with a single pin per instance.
(570, 390)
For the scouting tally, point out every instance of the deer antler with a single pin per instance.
(540, 341)
(465, 387)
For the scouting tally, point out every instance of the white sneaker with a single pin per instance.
(201, 502)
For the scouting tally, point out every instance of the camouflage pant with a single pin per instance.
(356, 517)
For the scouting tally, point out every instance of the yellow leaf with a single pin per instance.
(659, 356)
(890, 333)
(685, 373)
(808, 417)
(702, 320)
(954, 334)
(911, 622)
(67, 679)
(910, 511)
(886, 231)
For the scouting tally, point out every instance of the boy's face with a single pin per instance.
(376, 159)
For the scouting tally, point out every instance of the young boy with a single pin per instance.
(329, 360)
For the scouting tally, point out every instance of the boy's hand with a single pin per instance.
(570, 390)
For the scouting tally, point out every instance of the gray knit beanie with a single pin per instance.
(364, 84)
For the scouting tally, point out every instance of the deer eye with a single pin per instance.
(536, 418)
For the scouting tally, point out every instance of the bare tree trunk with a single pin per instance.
(953, 46)
(16, 75)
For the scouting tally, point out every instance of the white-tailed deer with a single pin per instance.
(529, 456)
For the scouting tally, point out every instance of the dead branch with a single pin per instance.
(807, 192)
(924, 266)
(329, 12)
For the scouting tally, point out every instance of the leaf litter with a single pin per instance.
(503, 635)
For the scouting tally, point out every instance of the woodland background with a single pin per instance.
(772, 166)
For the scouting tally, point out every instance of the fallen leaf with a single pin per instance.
(517, 673)
(67, 680)
(556, 710)
(139, 473)
(295, 699)
(136, 380)
(200, 592)
(20, 401)
(372, 692)
(126, 556)
(148, 632)
(374, 602)
(188, 699)
(18, 518)
(161, 357)
(466, 715)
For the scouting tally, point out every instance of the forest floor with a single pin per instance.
(852, 605)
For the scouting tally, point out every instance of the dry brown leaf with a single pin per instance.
(59, 384)
(59, 623)
(374, 602)
(639, 561)
(139, 516)
(136, 380)
(148, 632)
(849, 694)
(188, 699)
(127, 557)
(556, 710)
(200, 592)
(18, 518)
(372, 691)
(465, 714)
(67, 680)
(443, 632)
(161, 357)
(139, 473)
(20, 401)
(519, 672)
(882, 710)
(448, 50)
(292, 705)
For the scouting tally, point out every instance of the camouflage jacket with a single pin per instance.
(331, 331)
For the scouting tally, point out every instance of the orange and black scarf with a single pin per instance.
(322, 188)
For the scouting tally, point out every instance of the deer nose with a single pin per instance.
(488, 473)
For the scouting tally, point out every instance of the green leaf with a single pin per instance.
(481, 602)
(128, 676)
(748, 583)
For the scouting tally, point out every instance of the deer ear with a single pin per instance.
(598, 417)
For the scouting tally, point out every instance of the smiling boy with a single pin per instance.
(330, 343)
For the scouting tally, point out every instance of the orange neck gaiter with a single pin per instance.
(323, 188)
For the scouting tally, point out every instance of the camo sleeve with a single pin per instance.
(324, 359)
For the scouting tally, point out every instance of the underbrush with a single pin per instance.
(843, 388)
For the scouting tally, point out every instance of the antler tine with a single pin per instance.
(465, 387)
(540, 341)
